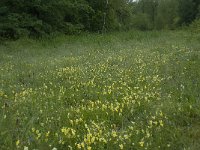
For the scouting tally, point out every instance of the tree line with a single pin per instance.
(43, 17)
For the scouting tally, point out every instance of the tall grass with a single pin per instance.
(134, 90)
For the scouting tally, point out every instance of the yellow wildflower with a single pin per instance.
(25, 148)
(83, 145)
(141, 143)
(47, 134)
(114, 134)
(79, 146)
(161, 123)
(17, 142)
(33, 129)
(89, 148)
(121, 146)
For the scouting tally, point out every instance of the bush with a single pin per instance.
(69, 28)
(142, 22)
(195, 26)
(41, 17)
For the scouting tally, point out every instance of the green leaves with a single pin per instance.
(39, 17)
(44, 17)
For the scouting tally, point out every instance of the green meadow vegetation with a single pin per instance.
(122, 90)
(100, 75)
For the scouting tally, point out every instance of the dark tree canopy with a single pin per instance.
(43, 17)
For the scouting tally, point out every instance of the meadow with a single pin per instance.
(129, 90)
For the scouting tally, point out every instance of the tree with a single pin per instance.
(167, 14)
(187, 11)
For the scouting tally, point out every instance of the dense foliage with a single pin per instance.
(40, 17)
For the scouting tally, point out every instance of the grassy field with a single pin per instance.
(131, 91)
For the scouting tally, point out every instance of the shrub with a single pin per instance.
(142, 22)
(195, 26)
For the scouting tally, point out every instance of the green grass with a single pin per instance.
(132, 91)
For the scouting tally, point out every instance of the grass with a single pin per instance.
(132, 91)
